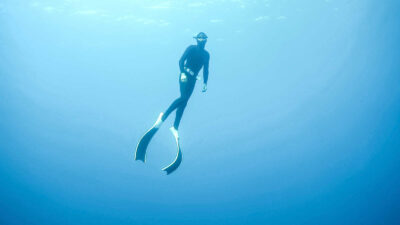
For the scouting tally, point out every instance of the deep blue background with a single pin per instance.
(300, 123)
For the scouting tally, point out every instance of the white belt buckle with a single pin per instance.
(189, 71)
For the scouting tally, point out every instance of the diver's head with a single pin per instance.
(201, 39)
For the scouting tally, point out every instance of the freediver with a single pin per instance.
(193, 59)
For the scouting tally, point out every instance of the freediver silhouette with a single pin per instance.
(193, 59)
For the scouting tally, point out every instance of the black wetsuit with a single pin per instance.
(194, 58)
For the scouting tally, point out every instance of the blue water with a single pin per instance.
(300, 123)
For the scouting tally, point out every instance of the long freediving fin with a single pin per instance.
(178, 159)
(141, 148)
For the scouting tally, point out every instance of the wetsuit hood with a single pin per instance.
(201, 39)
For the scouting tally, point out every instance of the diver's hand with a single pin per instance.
(183, 77)
(204, 88)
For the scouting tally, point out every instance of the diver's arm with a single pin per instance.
(183, 58)
(205, 69)
(205, 72)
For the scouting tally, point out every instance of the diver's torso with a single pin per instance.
(196, 58)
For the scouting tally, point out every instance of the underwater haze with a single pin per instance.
(300, 123)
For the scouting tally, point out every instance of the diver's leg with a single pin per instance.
(183, 86)
(185, 95)
(179, 113)
(172, 107)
